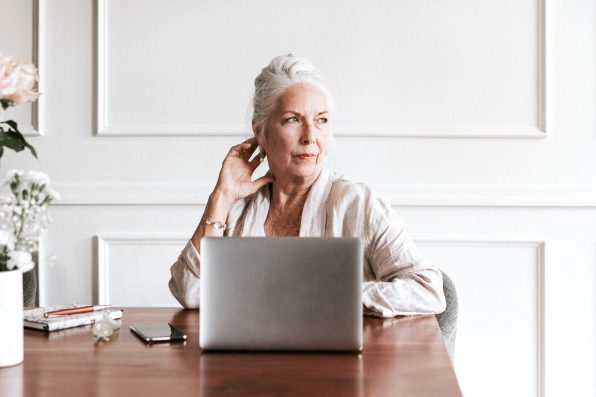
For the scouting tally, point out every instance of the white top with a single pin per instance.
(398, 280)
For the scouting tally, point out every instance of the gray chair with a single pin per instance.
(448, 319)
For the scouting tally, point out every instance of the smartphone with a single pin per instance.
(157, 332)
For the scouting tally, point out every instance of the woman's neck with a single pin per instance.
(289, 192)
(285, 212)
(288, 195)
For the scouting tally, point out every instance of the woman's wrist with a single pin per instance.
(221, 197)
(213, 222)
(217, 209)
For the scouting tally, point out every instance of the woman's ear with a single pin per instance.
(254, 126)
(257, 133)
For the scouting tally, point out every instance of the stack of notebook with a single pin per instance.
(35, 318)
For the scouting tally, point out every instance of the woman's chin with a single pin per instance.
(303, 171)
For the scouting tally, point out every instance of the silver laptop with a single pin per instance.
(283, 293)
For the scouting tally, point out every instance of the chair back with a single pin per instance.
(448, 319)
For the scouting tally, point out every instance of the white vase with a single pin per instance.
(11, 318)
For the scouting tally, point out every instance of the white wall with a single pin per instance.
(476, 119)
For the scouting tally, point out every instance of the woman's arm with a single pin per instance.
(234, 183)
(184, 283)
(405, 283)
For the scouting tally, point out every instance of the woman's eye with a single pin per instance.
(292, 119)
(323, 120)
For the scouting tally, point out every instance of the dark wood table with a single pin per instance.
(402, 357)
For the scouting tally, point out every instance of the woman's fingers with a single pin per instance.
(239, 150)
(237, 169)
(244, 149)
(260, 182)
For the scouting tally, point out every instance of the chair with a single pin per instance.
(448, 319)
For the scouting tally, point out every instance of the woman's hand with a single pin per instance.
(235, 178)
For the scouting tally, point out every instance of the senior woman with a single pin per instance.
(299, 196)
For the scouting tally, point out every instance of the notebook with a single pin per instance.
(283, 293)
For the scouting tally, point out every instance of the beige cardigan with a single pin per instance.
(398, 280)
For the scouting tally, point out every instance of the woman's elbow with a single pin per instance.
(437, 299)
(440, 303)
(432, 282)
(188, 298)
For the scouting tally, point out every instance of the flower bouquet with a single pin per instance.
(24, 218)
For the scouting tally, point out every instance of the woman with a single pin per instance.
(300, 197)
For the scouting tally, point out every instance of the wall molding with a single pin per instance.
(33, 128)
(171, 193)
(539, 245)
(541, 62)
(101, 257)
(105, 129)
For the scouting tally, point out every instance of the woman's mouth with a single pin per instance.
(306, 156)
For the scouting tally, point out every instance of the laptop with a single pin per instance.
(281, 293)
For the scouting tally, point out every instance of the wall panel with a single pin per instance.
(453, 75)
(501, 312)
(19, 38)
(130, 270)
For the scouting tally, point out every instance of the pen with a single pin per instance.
(74, 310)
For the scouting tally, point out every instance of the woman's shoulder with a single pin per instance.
(342, 186)
(344, 191)
(359, 202)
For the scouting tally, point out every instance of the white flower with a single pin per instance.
(53, 194)
(6, 239)
(37, 177)
(17, 81)
(11, 174)
(21, 260)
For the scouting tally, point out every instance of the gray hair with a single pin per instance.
(281, 73)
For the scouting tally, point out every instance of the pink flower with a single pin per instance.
(17, 81)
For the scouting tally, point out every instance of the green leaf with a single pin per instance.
(4, 259)
(15, 141)
(13, 124)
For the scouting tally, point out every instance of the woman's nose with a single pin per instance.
(309, 135)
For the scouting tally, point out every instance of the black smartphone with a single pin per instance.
(157, 332)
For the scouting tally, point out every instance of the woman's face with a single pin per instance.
(297, 133)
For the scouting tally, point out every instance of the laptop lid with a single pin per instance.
(283, 293)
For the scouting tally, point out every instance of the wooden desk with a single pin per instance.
(401, 357)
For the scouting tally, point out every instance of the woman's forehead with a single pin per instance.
(303, 97)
